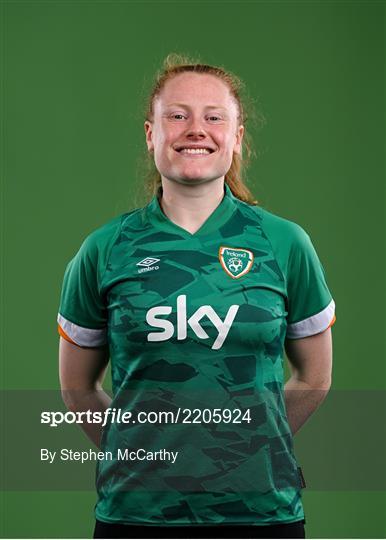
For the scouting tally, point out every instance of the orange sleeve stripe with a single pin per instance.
(64, 335)
(332, 322)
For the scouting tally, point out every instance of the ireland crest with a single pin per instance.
(236, 262)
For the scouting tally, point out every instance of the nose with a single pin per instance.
(195, 128)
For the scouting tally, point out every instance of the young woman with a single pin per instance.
(194, 298)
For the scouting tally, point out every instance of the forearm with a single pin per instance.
(84, 400)
(301, 401)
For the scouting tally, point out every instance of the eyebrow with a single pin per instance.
(187, 106)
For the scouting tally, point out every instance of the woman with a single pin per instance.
(194, 298)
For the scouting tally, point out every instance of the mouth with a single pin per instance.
(194, 151)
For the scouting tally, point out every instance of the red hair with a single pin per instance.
(173, 65)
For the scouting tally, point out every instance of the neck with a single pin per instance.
(190, 206)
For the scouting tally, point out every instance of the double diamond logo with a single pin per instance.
(236, 262)
(148, 261)
(148, 264)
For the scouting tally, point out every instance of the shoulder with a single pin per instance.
(286, 235)
(104, 236)
(289, 243)
(281, 232)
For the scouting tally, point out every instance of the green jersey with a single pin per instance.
(195, 325)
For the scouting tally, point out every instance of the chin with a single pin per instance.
(192, 181)
(190, 177)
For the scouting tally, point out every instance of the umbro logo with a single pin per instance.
(148, 261)
(147, 264)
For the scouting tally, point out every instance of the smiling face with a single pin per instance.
(195, 129)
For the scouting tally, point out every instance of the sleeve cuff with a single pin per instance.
(78, 335)
(313, 325)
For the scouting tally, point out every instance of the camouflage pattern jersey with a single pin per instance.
(195, 325)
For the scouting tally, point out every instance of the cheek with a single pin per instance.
(164, 152)
(228, 145)
(160, 147)
(226, 141)
(166, 140)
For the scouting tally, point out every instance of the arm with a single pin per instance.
(310, 361)
(81, 372)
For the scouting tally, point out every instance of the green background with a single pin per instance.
(73, 78)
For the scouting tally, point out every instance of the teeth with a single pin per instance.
(194, 151)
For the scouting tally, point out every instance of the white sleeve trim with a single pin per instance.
(85, 337)
(312, 325)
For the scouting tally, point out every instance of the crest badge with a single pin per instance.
(236, 262)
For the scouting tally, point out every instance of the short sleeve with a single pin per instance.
(82, 315)
(311, 309)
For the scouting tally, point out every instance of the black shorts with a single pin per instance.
(116, 530)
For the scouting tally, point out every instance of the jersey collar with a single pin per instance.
(217, 219)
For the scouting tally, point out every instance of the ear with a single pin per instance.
(149, 135)
(239, 139)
